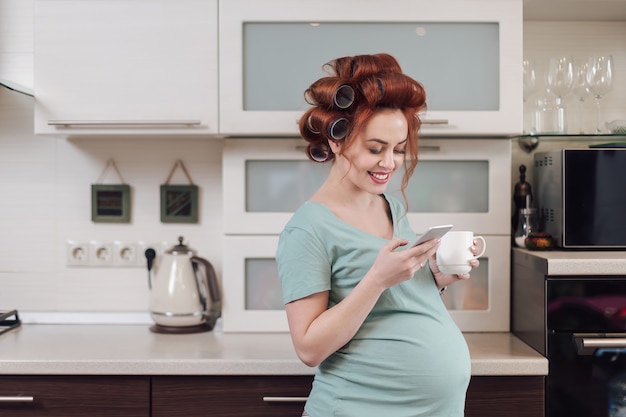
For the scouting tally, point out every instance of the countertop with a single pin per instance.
(572, 262)
(62, 349)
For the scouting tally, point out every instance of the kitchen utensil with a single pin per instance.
(184, 292)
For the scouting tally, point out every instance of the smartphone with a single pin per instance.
(434, 232)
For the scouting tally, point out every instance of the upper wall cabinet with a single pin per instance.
(466, 53)
(126, 67)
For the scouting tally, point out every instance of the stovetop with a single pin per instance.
(9, 319)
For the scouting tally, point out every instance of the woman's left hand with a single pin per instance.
(443, 280)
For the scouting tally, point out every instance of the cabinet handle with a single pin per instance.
(285, 399)
(589, 345)
(123, 123)
(435, 121)
(17, 399)
(429, 148)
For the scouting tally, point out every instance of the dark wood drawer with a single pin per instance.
(70, 396)
(229, 396)
(511, 396)
(242, 396)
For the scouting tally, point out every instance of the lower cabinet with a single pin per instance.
(229, 396)
(283, 396)
(223, 396)
(73, 396)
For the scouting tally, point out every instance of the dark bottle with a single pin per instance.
(522, 191)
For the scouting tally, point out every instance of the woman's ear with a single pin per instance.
(335, 146)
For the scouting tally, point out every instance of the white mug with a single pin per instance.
(454, 252)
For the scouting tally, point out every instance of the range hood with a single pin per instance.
(17, 87)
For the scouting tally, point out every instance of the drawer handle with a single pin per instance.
(17, 399)
(123, 123)
(285, 399)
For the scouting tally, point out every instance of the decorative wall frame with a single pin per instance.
(179, 203)
(110, 203)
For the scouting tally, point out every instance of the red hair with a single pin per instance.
(345, 101)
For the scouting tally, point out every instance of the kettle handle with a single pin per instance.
(214, 291)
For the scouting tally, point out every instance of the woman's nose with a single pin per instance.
(387, 160)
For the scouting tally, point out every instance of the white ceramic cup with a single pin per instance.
(455, 252)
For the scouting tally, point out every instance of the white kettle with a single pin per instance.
(184, 292)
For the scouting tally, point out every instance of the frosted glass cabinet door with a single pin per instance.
(253, 296)
(264, 182)
(465, 52)
(464, 182)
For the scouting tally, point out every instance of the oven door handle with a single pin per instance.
(587, 345)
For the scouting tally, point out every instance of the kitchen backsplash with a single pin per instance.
(46, 200)
(45, 182)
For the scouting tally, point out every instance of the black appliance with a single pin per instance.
(581, 196)
(579, 324)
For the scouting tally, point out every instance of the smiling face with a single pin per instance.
(376, 152)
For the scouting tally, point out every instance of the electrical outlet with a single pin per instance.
(159, 249)
(125, 254)
(101, 253)
(77, 253)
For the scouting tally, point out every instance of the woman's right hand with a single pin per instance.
(393, 266)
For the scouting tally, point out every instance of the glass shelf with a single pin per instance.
(530, 142)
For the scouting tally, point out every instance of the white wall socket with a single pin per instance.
(77, 253)
(101, 253)
(126, 254)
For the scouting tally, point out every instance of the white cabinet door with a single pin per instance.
(253, 296)
(126, 67)
(467, 53)
(464, 182)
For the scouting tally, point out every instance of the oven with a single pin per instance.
(571, 308)
(586, 343)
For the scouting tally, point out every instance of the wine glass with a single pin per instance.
(599, 80)
(559, 82)
(580, 92)
(560, 76)
(530, 78)
(530, 87)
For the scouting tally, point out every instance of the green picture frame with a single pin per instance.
(110, 203)
(179, 203)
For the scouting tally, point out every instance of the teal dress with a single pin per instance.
(409, 358)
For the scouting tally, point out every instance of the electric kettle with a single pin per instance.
(184, 292)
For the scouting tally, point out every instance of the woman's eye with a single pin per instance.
(400, 151)
(375, 151)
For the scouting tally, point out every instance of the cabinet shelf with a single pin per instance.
(530, 142)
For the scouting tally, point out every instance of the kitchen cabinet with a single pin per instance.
(126, 67)
(278, 396)
(252, 292)
(74, 396)
(457, 181)
(224, 396)
(466, 53)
